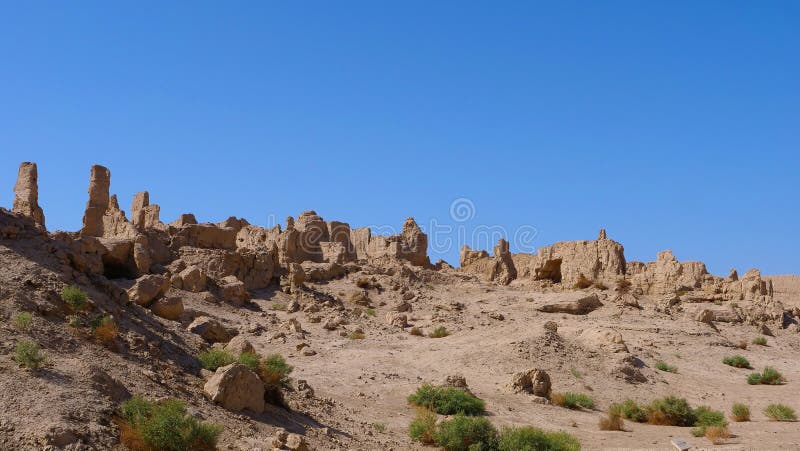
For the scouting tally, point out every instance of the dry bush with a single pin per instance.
(623, 285)
(107, 330)
(717, 434)
(582, 282)
(364, 283)
(357, 335)
(613, 419)
(129, 438)
(416, 331)
(742, 345)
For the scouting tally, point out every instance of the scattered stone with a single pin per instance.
(170, 308)
(240, 345)
(210, 329)
(148, 288)
(397, 319)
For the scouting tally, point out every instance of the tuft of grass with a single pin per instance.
(465, 433)
(572, 400)
(165, 426)
(23, 321)
(447, 400)
(613, 419)
(439, 332)
(29, 355)
(357, 335)
(416, 331)
(76, 299)
(423, 427)
(706, 417)
(105, 329)
(379, 427)
(740, 412)
(742, 345)
(780, 412)
(717, 434)
(631, 410)
(215, 358)
(664, 366)
(371, 312)
(533, 439)
(274, 371)
(770, 376)
(279, 306)
(582, 282)
(575, 373)
(670, 411)
(761, 341)
(250, 360)
(736, 361)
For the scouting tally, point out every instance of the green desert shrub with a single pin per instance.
(736, 361)
(740, 412)
(664, 366)
(572, 400)
(706, 417)
(250, 360)
(770, 376)
(465, 433)
(75, 298)
(28, 354)
(165, 426)
(23, 321)
(631, 410)
(613, 419)
(274, 371)
(670, 411)
(215, 358)
(534, 439)
(439, 332)
(761, 341)
(447, 400)
(780, 412)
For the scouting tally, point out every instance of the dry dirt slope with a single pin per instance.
(360, 383)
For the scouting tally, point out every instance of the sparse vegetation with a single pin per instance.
(740, 412)
(76, 299)
(780, 412)
(582, 282)
(664, 366)
(465, 433)
(274, 371)
(439, 332)
(250, 360)
(761, 341)
(532, 439)
(416, 331)
(575, 373)
(379, 427)
(670, 411)
(447, 400)
(423, 428)
(357, 335)
(742, 345)
(278, 306)
(706, 417)
(371, 312)
(631, 410)
(572, 400)
(105, 329)
(770, 376)
(736, 361)
(164, 426)
(613, 419)
(215, 358)
(717, 434)
(624, 285)
(29, 355)
(23, 321)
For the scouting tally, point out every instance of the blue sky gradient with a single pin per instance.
(672, 124)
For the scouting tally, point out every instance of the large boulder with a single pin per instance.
(233, 291)
(235, 387)
(148, 288)
(26, 193)
(577, 303)
(193, 279)
(210, 329)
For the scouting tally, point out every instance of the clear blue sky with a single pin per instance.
(672, 124)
